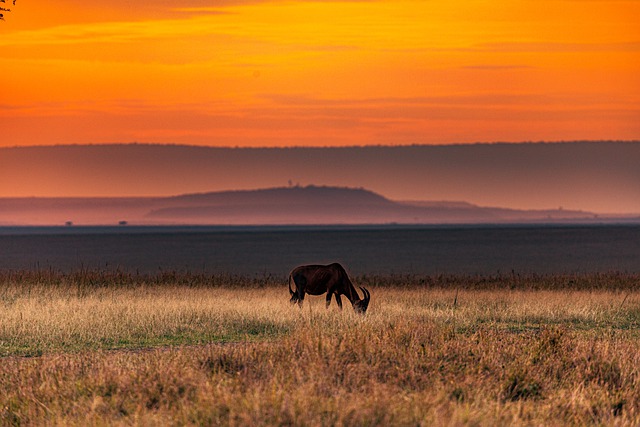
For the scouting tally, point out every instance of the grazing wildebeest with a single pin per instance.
(331, 279)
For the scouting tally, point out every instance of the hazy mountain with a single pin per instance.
(600, 177)
(285, 205)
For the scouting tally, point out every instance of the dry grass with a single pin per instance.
(182, 349)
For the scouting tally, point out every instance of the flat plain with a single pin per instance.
(367, 249)
(109, 348)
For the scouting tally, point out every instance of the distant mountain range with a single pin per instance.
(601, 177)
(283, 205)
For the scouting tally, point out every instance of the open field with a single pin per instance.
(110, 348)
(366, 249)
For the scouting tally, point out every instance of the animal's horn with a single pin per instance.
(366, 294)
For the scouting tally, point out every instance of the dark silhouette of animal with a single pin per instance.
(331, 279)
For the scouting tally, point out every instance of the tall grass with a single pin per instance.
(179, 349)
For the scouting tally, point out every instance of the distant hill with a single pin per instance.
(284, 205)
(293, 205)
(599, 177)
(311, 195)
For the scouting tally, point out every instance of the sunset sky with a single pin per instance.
(305, 73)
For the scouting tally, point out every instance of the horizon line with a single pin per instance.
(282, 147)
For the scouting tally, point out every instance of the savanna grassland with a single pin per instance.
(97, 348)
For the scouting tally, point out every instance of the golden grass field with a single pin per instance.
(97, 348)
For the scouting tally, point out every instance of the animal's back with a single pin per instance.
(315, 279)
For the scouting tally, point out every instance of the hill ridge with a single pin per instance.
(276, 194)
(310, 204)
(593, 176)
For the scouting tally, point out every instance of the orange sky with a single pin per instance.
(280, 73)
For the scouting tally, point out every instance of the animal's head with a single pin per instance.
(362, 305)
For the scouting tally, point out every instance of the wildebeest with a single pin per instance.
(331, 279)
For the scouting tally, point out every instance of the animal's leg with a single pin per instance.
(339, 301)
(300, 299)
(328, 299)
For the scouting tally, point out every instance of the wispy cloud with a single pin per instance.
(112, 32)
(470, 100)
(486, 67)
(541, 47)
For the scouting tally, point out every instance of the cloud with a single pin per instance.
(496, 67)
(631, 46)
(526, 47)
(111, 32)
(482, 99)
(209, 6)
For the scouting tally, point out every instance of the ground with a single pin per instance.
(111, 348)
